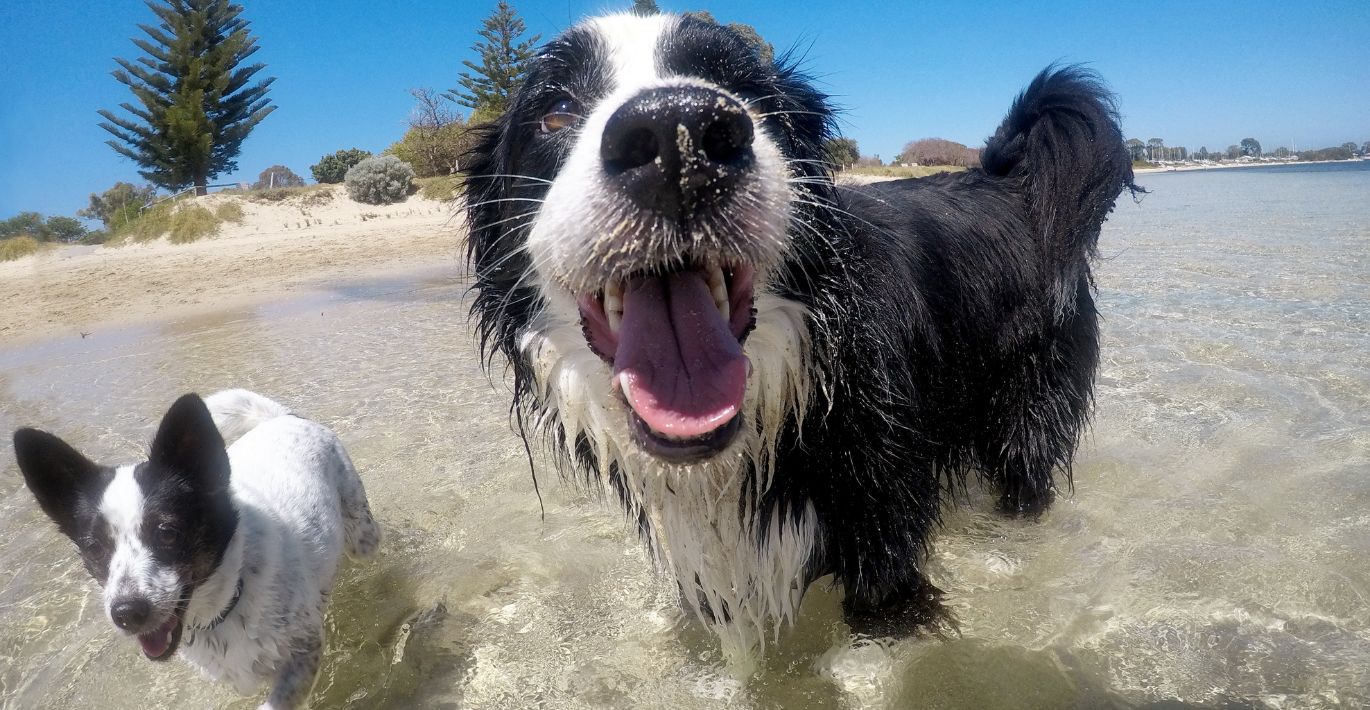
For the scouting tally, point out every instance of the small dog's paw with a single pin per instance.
(363, 535)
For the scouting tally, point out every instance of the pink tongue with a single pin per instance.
(681, 367)
(155, 643)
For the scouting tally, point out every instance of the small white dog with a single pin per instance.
(227, 554)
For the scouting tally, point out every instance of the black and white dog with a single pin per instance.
(779, 376)
(225, 555)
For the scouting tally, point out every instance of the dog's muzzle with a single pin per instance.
(676, 150)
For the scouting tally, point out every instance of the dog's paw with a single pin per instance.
(363, 534)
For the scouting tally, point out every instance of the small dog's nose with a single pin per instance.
(675, 149)
(130, 613)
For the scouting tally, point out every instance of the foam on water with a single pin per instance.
(1216, 547)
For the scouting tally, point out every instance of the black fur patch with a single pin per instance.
(952, 317)
(188, 512)
(68, 487)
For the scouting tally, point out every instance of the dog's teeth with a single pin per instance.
(718, 288)
(714, 277)
(613, 305)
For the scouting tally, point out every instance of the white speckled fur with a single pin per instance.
(300, 505)
(696, 531)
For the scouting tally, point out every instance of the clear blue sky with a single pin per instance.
(1193, 73)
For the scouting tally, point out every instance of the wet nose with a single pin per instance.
(674, 150)
(130, 613)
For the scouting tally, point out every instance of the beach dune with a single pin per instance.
(283, 248)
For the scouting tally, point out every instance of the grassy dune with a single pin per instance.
(18, 247)
(903, 171)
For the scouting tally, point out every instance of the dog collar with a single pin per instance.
(237, 594)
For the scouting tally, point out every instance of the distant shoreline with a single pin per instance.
(1228, 166)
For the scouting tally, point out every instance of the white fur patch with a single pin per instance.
(697, 533)
(581, 223)
(300, 505)
(696, 528)
(132, 570)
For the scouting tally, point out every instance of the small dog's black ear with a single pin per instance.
(188, 443)
(59, 476)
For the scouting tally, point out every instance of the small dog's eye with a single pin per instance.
(563, 114)
(166, 534)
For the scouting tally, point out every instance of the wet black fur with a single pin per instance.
(185, 484)
(953, 318)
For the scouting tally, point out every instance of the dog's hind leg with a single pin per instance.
(361, 533)
(1043, 409)
(295, 679)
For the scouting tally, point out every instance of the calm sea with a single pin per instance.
(1215, 550)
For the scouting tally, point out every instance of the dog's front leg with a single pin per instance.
(296, 677)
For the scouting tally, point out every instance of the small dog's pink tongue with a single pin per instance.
(680, 365)
(155, 643)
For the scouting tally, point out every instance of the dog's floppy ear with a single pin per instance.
(60, 478)
(189, 444)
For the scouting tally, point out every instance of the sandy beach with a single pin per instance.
(279, 249)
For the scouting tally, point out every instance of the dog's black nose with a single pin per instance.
(129, 614)
(674, 149)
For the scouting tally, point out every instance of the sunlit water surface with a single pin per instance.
(1215, 551)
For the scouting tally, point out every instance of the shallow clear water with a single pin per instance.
(1216, 549)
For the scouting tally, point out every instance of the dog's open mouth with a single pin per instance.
(674, 340)
(160, 643)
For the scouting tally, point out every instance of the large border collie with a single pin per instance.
(778, 376)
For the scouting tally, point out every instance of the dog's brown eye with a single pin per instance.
(166, 534)
(563, 114)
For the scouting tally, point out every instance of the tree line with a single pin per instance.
(1155, 150)
(196, 97)
(843, 153)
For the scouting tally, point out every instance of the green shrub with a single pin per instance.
(331, 169)
(277, 176)
(16, 247)
(190, 223)
(28, 224)
(229, 212)
(309, 195)
(434, 150)
(180, 221)
(444, 188)
(32, 224)
(151, 223)
(119, 205)
(95, 237)
(380, 180)
(65, 229)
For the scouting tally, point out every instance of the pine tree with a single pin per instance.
(196, 103)
(487, 87)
